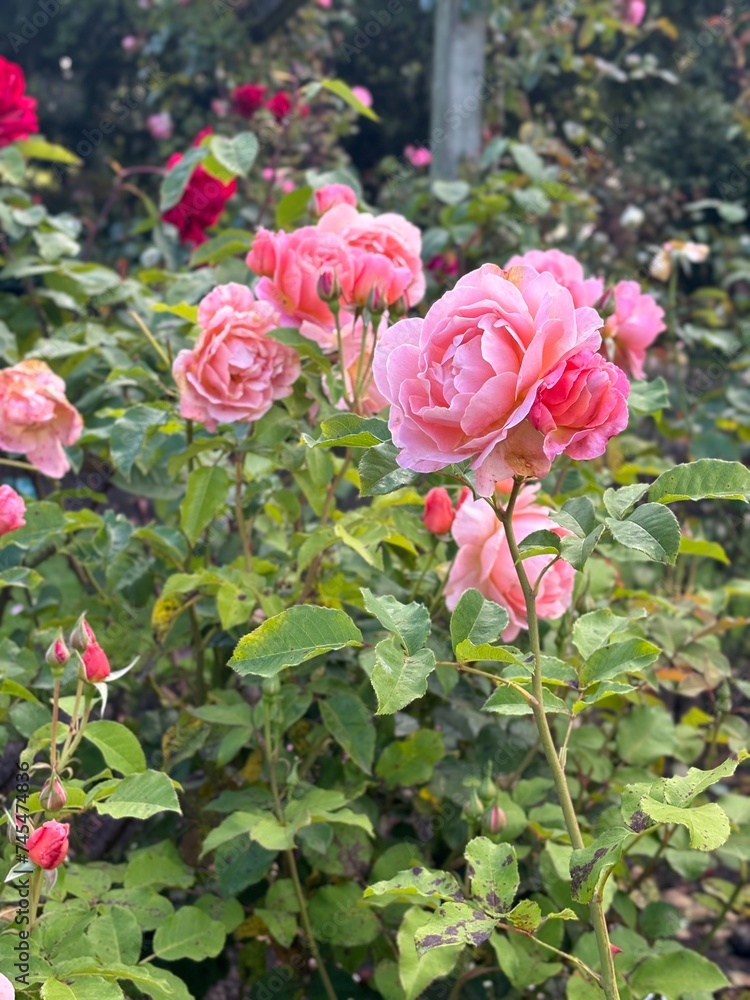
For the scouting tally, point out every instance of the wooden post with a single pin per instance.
(457, 87)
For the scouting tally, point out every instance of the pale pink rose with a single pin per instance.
(363, 95)
(484, 561)
(160, 125)
(334, 194)
(36, 419)
(291, 264)
(418, 156)
(7, 989)
(636, 323)
(376, 281)
(636, 12)
(461, 379)
(566, 270)
(580, 406)
(12, 509)
(235, 371)
(390, 235)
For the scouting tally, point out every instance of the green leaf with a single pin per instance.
(702, 549)
(508, 701)
(12, 164)
(292, 207)
(588, 864)
(578, 551)
(291, 638)
(159, 984)
(708, 826)
(452, 924)
(116, 936)
(189, 933)
(347, 719)
(419, 881)
(410, 622)
(539, 543)
(129, 432)
(648, 397)
(53, 989)
(235, 155)
(528, 161)
(618, 658)
(451, 192)
(493, 875)
(645, 734)
(339, 916)
(680, 791)
(174, 184)
(411, 761)
(652, 529)
(340, 89)
(120, 748)
(228, 243)
(379, 473)
(527, 915)
(619, 502)
(37, 148)
(709, 478)
(477, 620)
(592, 631)
(398, 679)
(141, 796)
(181, 309)
(416, 971)
(467, 652)
(349, 430)
(577, 515)
(206, 495)
(282, 926)
(678, 972)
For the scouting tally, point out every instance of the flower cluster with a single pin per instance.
(249, 98)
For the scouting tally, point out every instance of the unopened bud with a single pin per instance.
(376, 300)
(271, 687)
(329, 289)
(96, 663)
(57, 656)
(488, 789)
(474, 809)
(52, 797)
(493, 820)
(399, 308)
(82, 634)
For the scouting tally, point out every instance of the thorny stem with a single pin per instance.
(292, 861)
(67, 746)
(55, 721)
(152, 339)
(240, 513)
(609, 978)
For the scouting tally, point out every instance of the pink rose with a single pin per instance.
(291, 265)
(438, 513)
(389, 235)
(636, 12)
(235, 371)
(7, 989)
(461, 379)
(418, 156)
(566, 270)
(96, 663)
(484, 561)
(376, 281)
(334, 194)
(48, 846)
(12, 509)
(363, 95)
(37, 419)
(160, 125)
(636, 323)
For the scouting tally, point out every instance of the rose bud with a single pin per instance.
(48, 846)
(57, 656)
(329, 289)
(474, 806)
(52, 797)
(438, 511)
(488, 791)
(82, 634)
(96, 663)
(376, 300)
(494, 820)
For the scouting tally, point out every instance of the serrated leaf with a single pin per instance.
(120, 748)
(493, 874)
(174, 184)
(452, 924)
(419, 881)
(350, 430)
(577, 515)
(410, 622)
(708, 826)
(189, 933)
(399, 679)
(416, 971)
(141, 796)
(708, 478)
(291, 638)
(588, 864)
(652, 529)
(527, 915)
(477, 620)
(676, 973)
(348, 720)
(648, 397)
(380, 474)
(618, 658)
(206, 495)
(235, 155)
(619, 502)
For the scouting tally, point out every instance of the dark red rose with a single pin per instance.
(248, 98)
(279, 105)
(17, 111)
(202, 202)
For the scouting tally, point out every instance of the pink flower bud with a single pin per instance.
(376, 300)
(328, 287)
(12, 509)
(438, 511)
(48, 846)
(82, 634)
(57, 655)
(52, 796)
(96, 663)
(160, 125)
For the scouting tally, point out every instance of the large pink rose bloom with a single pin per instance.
(389, 235)
(12, 509)
(484, 561)
(235, 371)
(330, 195)
(36, 419)
(566, 270)
(291, 265)
(635, 325)
(467, 375)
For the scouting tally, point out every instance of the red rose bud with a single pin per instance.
(48, 846)
(248, 98)
(82, 634)
(438, 511)
(57, 656)
(52, 797)
(96, 663)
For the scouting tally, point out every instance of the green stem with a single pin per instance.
(563, 954)
(55, 721)
(240, 513)
(67, 746)
(728, 904)
(34, 897)
(200, 680)
(292, 861)
(14, 464)
(427, 566)
(596, 907)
